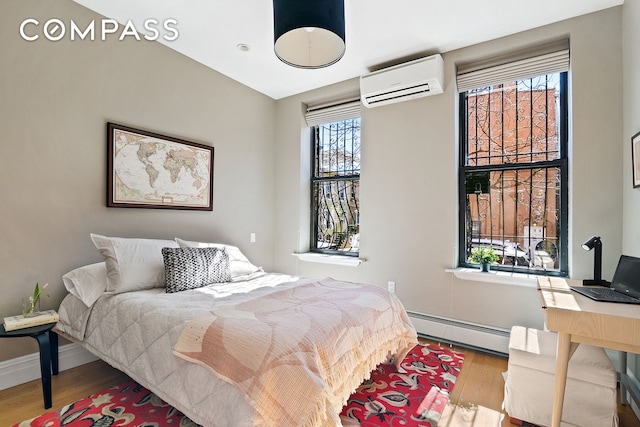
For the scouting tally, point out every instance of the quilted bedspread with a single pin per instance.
(136, 332)
(298, 353)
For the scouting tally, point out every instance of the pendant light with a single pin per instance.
(309, 33)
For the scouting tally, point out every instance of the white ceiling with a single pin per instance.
(378, 32)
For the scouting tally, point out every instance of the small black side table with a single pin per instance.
(48, 342)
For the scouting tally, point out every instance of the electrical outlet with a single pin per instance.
(391, 287)
(252, 237)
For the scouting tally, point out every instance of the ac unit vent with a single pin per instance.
(402, 82)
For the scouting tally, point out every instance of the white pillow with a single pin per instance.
(87, 283)
(238, 263)
(132, 264)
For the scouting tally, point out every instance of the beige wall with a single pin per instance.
(405, 236)
(55, 100)
(631, 117)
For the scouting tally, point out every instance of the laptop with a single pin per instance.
(625, 286)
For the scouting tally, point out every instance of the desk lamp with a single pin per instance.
(596, 244)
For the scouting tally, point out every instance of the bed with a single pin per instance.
(223, 341)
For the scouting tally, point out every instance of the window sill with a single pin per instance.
(503, 277)
(329, 259)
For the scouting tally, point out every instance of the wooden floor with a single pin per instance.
(476, 400)
(24, 401)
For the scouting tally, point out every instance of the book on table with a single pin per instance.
(12, 323)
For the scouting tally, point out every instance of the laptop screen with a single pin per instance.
(626, 279)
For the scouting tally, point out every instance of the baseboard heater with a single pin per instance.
(474, 335)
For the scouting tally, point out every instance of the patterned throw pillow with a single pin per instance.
(191, 268)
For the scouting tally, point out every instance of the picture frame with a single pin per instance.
(149, 170)
(635, 159)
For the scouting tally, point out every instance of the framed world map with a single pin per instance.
(149, 170)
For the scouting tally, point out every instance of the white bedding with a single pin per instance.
(136, 332)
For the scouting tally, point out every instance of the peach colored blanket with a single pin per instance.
(298, 353)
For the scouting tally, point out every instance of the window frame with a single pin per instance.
(562, 163)
(313, 217)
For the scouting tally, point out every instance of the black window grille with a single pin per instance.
(335, 187)
(513, 174)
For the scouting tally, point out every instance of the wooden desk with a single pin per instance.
(578, 319)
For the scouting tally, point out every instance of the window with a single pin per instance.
(335, 187)
(513, 192)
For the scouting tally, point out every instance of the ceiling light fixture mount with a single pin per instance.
(309, 34)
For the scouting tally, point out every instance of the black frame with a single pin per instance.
(313, 205)
(635, 161)
(562, 163)
(111, 175)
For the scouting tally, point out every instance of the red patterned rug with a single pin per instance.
(415, 398)
(389, 398)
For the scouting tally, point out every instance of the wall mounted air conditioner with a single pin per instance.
(402, 82)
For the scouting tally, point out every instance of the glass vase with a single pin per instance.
(30, 307)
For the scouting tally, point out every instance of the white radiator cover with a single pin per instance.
(459, 331)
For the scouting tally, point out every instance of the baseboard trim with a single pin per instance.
(23, 369)
(474, 335)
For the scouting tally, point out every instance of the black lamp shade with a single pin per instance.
(309, 34)
(591, 243)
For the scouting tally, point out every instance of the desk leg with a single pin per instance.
(562, 365)
(45, 367)
(53, 345)
(623, 372)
